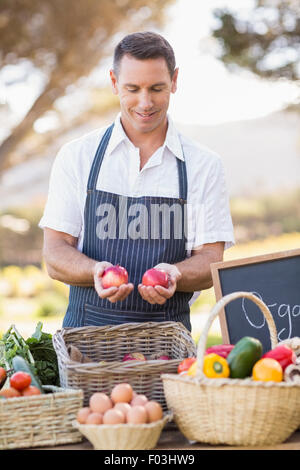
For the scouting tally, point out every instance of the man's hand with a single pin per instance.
(159, 294)
(113, 294)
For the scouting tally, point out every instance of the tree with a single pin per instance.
(65, 39)
(267, 41)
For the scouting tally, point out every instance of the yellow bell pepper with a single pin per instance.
(215, 366)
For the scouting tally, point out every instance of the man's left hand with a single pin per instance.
(159, 294)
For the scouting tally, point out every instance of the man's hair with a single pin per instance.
(144, 45)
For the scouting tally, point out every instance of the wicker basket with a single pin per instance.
(110, 344)
(40, 420)
(123, 436)
(240, 412)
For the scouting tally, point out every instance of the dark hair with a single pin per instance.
(144, 45)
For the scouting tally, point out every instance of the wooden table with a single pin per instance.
(174, 440)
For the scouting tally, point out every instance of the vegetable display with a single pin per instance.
(37, 352)
(243, 360)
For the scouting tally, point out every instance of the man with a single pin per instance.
(120, 195)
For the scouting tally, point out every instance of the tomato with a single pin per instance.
(10, 392)
(30, 390)
(185, 364)
(3, 376)
(20, 380)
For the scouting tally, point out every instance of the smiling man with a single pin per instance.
(137, 194)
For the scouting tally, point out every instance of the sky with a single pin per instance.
(207, 92)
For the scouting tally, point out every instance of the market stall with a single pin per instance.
(147, 386)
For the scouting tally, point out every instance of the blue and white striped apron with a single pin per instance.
(136, 254)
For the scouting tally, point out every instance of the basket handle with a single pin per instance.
(215, 312)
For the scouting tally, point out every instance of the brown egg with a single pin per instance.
(83, 414)
(113, 416)
(94, 418)
(100, 402)
(124, 407)
(154, 411)
(121, 393)
(139, 400)
(137, 415)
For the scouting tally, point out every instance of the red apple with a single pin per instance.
(155, 277)
(114, 276)
(135, 356)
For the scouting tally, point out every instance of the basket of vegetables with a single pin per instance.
(95, 358)
(245, 398)
(33, 411)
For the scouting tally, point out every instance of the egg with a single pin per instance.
(137, 415)
(83, 414)
(94, 418)
(154, 411)
(113, 416)
(139, 400)
(100, 402)
(122, 393)
(124, 407)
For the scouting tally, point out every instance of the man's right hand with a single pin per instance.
(113, 294)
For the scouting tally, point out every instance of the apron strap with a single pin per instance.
(183, 184)
(97, 162)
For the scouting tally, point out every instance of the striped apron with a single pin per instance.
(136, 239)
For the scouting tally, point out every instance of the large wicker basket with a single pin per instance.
(110, 344)
(240, 412)
(40, 420)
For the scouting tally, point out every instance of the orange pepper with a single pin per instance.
(266, 370)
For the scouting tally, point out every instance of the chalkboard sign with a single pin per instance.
(275, 279)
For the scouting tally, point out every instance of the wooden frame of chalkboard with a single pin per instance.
(258, 274)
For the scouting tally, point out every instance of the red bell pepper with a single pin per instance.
(283, 354)
(221, 349)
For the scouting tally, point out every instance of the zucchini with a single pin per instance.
(20, 364)
(243, 356)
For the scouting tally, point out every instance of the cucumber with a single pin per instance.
(20, 364)
(243, 356)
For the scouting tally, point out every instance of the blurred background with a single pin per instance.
(238, 93)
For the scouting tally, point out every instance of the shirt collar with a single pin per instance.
(172, 140)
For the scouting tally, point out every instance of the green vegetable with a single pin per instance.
(243, 356)
(37, 350)
(20, 364)
(13, 344)
(44, 355)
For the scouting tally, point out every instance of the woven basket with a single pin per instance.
(40, 420)
(123, 436)
(110, 344)
(240, 412)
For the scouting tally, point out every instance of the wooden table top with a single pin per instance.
(173, 439)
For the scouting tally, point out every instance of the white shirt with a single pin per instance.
(209, 218)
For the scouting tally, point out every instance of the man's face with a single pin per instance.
(144, 88)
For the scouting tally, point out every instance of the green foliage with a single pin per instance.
(44, 355)
(50, 304)
(263, 40)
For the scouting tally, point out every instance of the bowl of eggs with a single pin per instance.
(123, 420)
